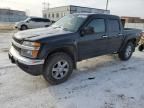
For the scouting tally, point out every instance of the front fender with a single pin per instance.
(71, 48)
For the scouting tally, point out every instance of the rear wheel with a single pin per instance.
(58, 68)
(127, 51)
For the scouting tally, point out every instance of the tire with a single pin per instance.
(127, 51)
(58, 68)
(23, 27)
(141, 48)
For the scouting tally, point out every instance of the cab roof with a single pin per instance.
(97, 14)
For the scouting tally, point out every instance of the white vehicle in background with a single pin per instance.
(33, 22)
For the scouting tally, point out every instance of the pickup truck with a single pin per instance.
(54, 51)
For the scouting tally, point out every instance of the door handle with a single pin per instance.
(120, 34)
(105, 36)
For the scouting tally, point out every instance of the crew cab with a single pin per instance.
(33, 22)
(54, 51)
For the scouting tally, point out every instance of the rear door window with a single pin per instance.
(45, 20)
(113, 25)
(35, 19)
(41, 20)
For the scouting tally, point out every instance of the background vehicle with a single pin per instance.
(54, 51)
(141, 43)
(33, 22)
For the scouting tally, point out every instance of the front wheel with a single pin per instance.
(58, 68)
(23, 27)
(127, 51)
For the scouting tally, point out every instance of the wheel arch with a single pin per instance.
(133, 40)
(23, 25)
(69, 50)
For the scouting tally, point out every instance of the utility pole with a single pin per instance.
(107, 3)
(46, 5)
(27, 12)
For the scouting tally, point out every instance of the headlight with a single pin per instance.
(31, 44)
(30, 49)
(29, 53)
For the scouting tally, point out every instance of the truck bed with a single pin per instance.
(130, 31)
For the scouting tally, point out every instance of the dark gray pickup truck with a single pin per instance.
(54, 51)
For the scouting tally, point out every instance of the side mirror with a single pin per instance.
(27, 21)
(87, 31)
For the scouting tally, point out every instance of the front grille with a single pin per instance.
(18, 40)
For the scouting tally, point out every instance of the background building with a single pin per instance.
(8, 15)
(132, 19)
(58, 12)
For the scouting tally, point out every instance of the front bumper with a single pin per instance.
(31, 66)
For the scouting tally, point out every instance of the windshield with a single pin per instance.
(27, 19)
(70, 22)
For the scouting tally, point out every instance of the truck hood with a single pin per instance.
(40, 33)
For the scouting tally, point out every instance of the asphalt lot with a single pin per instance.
(102, 82)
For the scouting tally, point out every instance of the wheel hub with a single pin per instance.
(60, 69)
(128, 51)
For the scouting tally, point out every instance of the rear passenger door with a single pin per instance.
(115, 36)
(46, 22)
(40, 23)
(43, 22)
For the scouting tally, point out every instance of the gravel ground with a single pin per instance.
(102, 82)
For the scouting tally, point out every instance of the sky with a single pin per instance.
(117, 7)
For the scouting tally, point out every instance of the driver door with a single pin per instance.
(91, 45)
